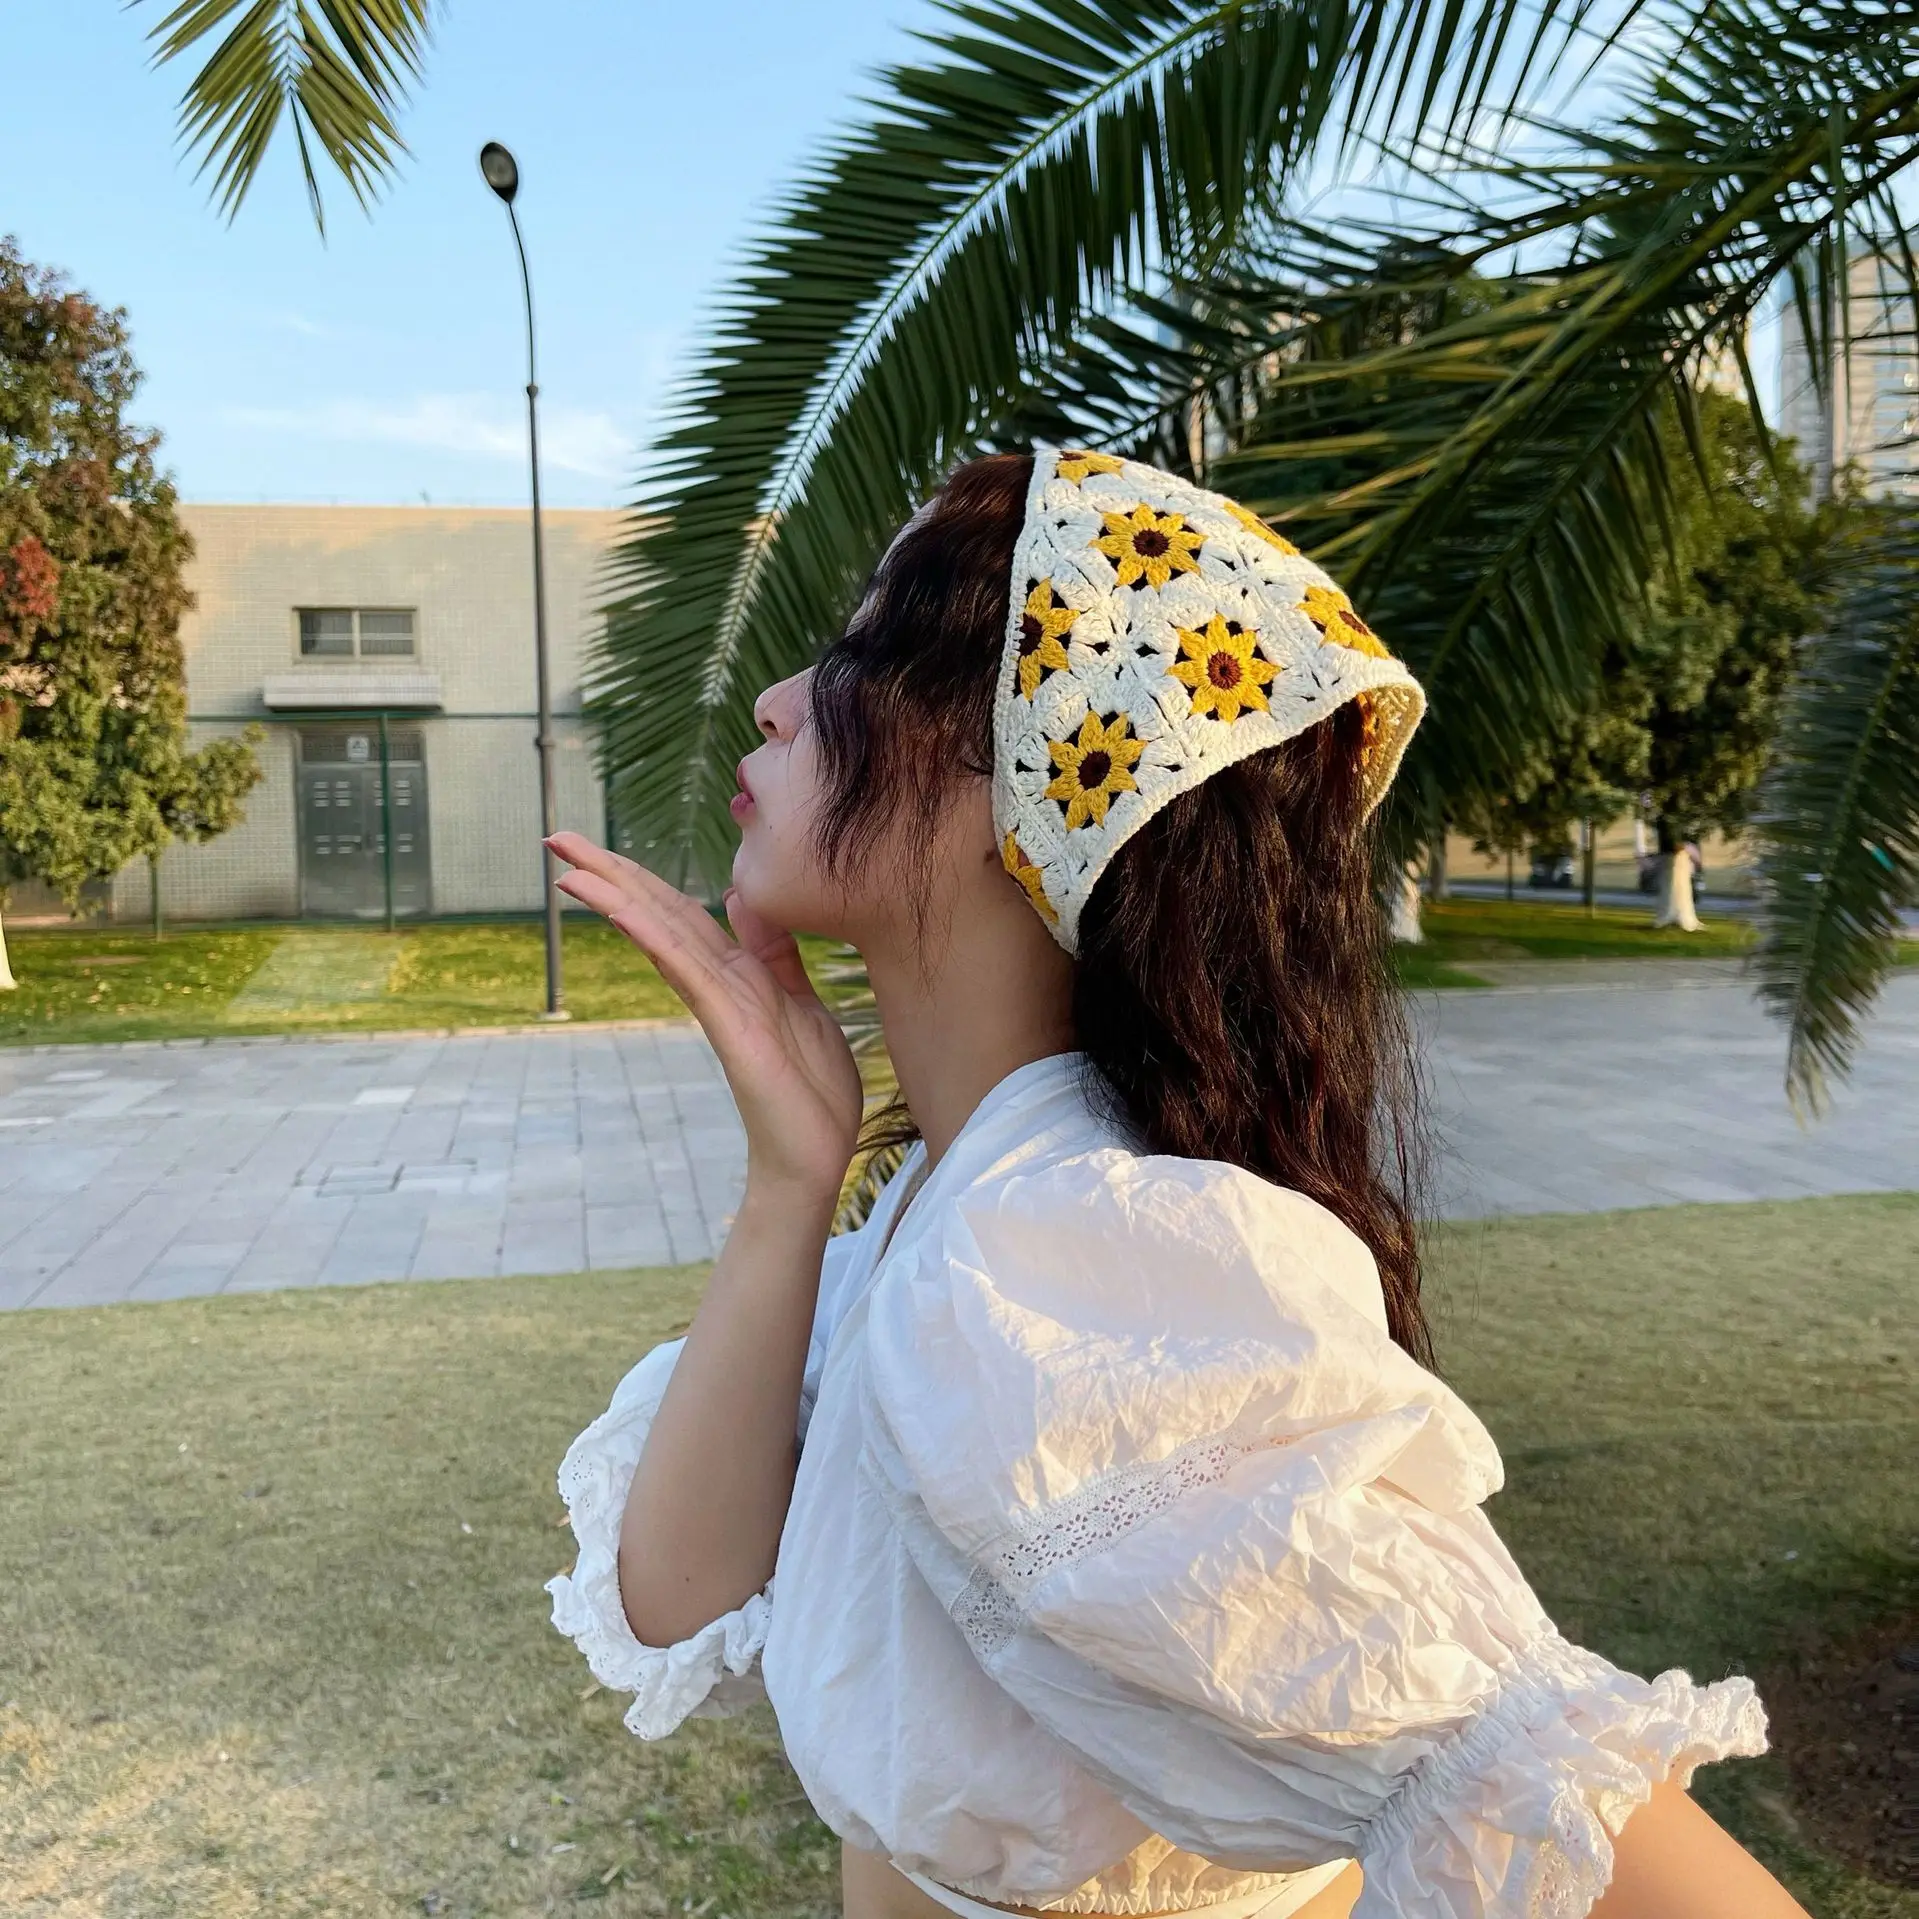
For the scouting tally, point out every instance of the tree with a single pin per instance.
(1086, 218)
(1685, 709)
(94, 764)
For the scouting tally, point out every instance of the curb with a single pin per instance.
(541, 1028)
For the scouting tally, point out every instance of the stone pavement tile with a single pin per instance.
(627, 1236)
(360, 1259)
(543, 1236)
(448, 1253)
(622, 1179)
(193, 1250)
(690, 1238)
(1690, 1189)
(67, 1230)
(1478, 1192)
(294, 1243)
(179, 1282)
(537, 1128)
(20, 1213)
(546, 1172)
(19, 1289)
(267, 1268)
(58, 1168)
(424, 1135)
(106, 1271)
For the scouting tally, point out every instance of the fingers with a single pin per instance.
(577, 850)
(688, 968)
(694, 923)
(772, 945)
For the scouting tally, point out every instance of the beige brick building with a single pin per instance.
(356, 636)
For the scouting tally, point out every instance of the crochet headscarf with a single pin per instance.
(1156, 633)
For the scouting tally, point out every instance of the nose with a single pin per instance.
(780, 711)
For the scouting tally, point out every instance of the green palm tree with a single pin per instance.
(1117, 222)
(336, 70)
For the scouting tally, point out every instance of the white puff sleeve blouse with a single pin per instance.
(1130, 1565)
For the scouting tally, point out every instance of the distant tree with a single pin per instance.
(1683, 719)
(94, 765)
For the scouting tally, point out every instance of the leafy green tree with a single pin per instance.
(94, 765)
(1685, 709)
(1088, 219)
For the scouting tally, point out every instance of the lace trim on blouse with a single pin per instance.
(1583, 1741)
(989, 1609)
(1546, 1776)
(709, 1674)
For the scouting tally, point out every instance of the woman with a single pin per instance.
(1131, 1560)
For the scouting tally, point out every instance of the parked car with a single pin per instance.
(1551, 869)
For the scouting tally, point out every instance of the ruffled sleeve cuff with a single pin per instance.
(1515, 1817)
(709, 1675)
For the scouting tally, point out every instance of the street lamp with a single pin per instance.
(500, 172)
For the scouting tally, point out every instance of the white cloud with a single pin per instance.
(299, 323)
(571, 438)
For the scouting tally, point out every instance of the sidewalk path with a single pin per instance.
(151, 1172)
(1584, 1087)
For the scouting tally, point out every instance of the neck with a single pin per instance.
(992, 1005)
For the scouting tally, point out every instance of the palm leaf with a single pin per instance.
(1092, 255)
(339, 69)
(1838, 820)
(918, 282)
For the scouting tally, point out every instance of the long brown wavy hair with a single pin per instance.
(1233, 991)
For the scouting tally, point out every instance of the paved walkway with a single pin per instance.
(1583, 1087)
(149, 1172)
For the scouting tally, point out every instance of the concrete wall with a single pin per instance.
(466, 575)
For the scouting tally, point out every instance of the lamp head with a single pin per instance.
(499, 170)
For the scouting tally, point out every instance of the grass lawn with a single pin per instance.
(270, 1578)
(1469, 929)
(1462, 932)
(84, 984)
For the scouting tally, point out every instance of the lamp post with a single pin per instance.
(502, 174)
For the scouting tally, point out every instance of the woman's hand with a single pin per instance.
(792, 1074)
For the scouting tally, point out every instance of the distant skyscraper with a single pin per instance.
(1875, 416)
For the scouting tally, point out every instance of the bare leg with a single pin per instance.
(1674, 1861)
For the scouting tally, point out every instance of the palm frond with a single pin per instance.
(1838, 820)
(919, 280)
(884, 1135)
(339, 69)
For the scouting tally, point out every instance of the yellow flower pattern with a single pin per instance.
(1013, 858)
(1370, 731)
(1078, 466)
(1332, 612)
(1147, 547)
(1254, 524)
(1093, 768)
(1220, 667)
(1218, 659)
(1044, 622)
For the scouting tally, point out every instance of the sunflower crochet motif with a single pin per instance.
(1158, 632)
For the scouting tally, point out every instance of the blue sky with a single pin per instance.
(385, 363)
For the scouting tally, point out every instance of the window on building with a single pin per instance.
(341, 632)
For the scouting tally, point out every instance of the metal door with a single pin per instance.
(343, 864)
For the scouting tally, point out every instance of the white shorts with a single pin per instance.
(1263, 1902)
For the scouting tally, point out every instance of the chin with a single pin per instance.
(771, 886)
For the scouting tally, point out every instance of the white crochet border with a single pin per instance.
(1120, 649)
